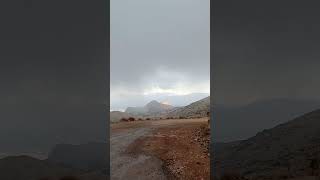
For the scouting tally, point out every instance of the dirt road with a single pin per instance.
(159, 149)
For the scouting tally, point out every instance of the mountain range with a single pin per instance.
(152, 108)
(155, 109)
(290, 149)
(238, 123)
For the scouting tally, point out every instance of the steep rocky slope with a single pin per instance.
(197, 109)
(288, 149)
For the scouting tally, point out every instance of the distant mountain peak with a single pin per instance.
(153, 107)
(153, 102)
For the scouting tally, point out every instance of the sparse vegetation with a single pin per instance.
(123, 119)
(131, 119)
(127, 120)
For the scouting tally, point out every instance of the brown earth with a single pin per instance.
(182, 149)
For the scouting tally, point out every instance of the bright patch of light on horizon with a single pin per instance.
(170, 91)
(165, 102)
(179, 90)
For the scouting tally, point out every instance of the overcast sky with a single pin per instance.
(53, 73)
(265, 50)
(158, 48)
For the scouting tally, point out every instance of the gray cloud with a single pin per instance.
(263, 50)
(53, 73)
(159, 43)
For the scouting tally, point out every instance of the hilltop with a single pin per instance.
(152, 108)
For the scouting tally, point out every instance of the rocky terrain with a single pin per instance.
(152, 108)
(116, 116)
(289, 150)
(159, 141)
(89, 157)
(162, 149)
(157, 110)
(28, 168)
(82, 162)
(197, 109)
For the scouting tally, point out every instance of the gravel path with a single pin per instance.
(140, 166)
(125, 166)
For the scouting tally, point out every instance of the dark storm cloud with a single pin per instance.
(265, 49)
(159, 42)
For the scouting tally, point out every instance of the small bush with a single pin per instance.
(131, 119)
(148, 119)
(123, 119)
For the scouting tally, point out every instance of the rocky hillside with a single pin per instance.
(25, 168)
(289, 149)
(152, 108)
(89, 157)
(197, 109)
(136, 111)
(116, 116)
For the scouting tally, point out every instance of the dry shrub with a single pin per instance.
(123, 119)
(131, 119)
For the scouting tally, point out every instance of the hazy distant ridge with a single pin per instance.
(286, 149)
